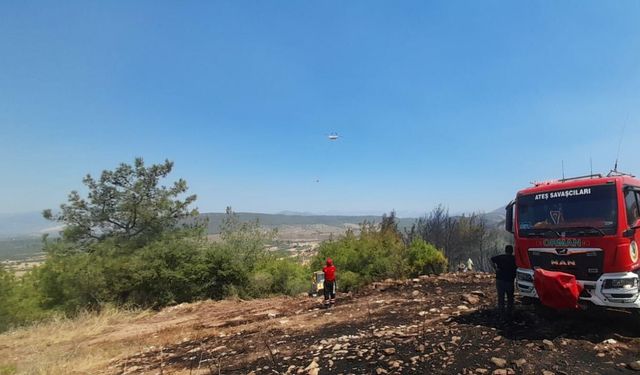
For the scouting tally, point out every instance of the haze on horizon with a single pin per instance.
(448, 102)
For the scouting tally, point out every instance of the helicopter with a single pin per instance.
(333, 136)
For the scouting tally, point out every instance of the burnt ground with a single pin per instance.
(430, 325)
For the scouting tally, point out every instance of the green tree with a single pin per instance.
(124, 243)
(128, 204)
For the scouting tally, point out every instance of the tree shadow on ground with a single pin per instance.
(537, 322)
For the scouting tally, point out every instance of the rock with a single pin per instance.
(519, 362)
(482, 371)
(548, 344)
(547, 372)
(337, 347)
(635, 365)
(610, 341)
(600, 355)
(380, 371)
(462, 307)
(500, 362)
(478, 293)
(394, 364)
(312, 365)
(503, 371)
(313, 371)
(470, 298)
(218, 348)
(389, 351)
(415, 293)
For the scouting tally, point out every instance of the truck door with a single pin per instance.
(632, 204)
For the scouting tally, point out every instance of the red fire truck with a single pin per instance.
(587, 226)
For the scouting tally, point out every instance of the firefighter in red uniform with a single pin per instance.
(329, 283)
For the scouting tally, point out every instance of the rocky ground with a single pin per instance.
(430, 325)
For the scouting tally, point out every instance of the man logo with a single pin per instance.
(556, 216)
(563, 263)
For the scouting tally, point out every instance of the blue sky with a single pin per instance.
(453, 102)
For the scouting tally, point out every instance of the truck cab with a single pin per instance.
(586, 226)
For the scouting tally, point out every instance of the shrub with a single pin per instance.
(224, 273)
(19, 300)
(424, 258)
(286, 276)
(8, 369)
(350, 281)
(377, 253)
(70, 282)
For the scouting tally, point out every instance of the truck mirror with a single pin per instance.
(508, 222)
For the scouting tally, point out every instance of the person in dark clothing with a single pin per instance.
(505, 266)
(329, 284)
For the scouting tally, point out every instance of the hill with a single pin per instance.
(277, 220)
(17, 248)
(431, 325)
(25, 224)
(33, 224)
(302, 221)
(20, 234)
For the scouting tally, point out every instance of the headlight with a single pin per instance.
(633, 251)
(629, 283)
(523, 276)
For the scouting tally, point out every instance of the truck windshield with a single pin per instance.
(588, 211)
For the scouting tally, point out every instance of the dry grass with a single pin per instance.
(104, 343)
(62, 346)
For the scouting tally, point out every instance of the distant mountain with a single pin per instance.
(276, 220)
(295, 213)
(496, 216)
(25, 224)
(33, 224)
